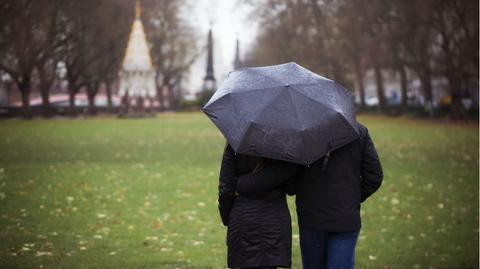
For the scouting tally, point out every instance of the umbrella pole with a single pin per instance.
(325, 159)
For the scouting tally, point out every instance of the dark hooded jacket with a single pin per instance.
(254, 207)
(328, 197)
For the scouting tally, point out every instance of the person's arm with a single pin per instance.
(268, 178)
(372, 174)
(290, 185)
(226, 186)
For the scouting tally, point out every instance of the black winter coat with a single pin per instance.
(259, 225)
(329, 199)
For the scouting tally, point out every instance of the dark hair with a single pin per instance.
(259, 162)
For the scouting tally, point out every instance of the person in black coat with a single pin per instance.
(328, 198)
(252, 204)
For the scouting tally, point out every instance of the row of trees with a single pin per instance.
(344, 38)
(86, 40)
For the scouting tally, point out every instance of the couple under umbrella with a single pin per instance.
(291, 131)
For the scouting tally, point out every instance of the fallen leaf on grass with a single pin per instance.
(395, 201)
(101, 215)
(43, 253)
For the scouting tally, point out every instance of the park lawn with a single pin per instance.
(141, 193)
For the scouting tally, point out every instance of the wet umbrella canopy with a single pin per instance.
(283, 112)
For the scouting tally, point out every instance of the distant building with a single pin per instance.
(209, 82)
(137, 76)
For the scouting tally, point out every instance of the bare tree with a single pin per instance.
(173, 45)
(46, 65)
(291, 31)
(97, 34)
(77, 18)
(419, 54)
(26, 36)
(456, 23)
(352, 25)
(107, 45)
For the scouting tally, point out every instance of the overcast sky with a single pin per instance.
(228, 19)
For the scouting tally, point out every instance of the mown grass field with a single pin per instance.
(110, 193)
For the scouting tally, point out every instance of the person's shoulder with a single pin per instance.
(362, 131)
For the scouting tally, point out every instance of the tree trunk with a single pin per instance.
(403, 86)
(160, 98)
(25, 92)
(91, 92)
(46, 75)
(172, 98)
(47, 112)
(125, 106)
(380, 90)
(108, 89)
(71, 102)
(8, 89)
(455, 85)
(91, 104)
(360, 84)
(338, 73)
(426, 80)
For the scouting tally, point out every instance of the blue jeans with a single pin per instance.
(327, 250)
(262, 267)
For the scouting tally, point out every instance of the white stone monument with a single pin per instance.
(137, 75)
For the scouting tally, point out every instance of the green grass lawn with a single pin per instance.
(110, 193)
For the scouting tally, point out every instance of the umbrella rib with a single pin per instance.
(268, 88)
(299, 84)
(262, 74)
(296, 109)
(304, 69)
(267, 106)
(258, 115)
(311, 98)
(299, 119)
(254, 89)
(273, 87)
(342, 118)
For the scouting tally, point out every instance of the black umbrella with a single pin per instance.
(283, 112)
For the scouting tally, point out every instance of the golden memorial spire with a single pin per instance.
(138, 9)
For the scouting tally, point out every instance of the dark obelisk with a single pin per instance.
(237, 64)
(209, 79)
